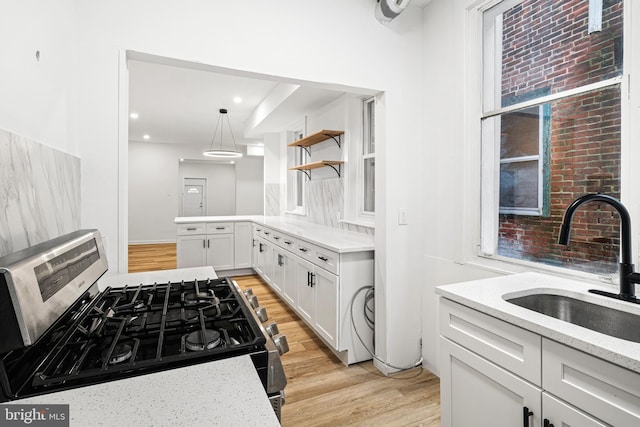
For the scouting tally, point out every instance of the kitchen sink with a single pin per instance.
(605, 320)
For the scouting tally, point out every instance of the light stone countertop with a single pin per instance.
(334, 239)
(226, 392)
(488, 296)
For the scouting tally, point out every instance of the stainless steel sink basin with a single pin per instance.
(605, 320)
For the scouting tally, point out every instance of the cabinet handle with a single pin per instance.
(204, 244)
(276, 237)
(191, 229)
(323, 258)
(547, 423)
(267, 233)
(526, 415)
(208, 243)
(254, 243)
(303, 249)
(308, 278)
(219, 228)
(261, 249)
(280, 260)
(313, 276)
(288, 242)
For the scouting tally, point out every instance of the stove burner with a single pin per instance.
(193, 341)
(176, 315)
(121, 353)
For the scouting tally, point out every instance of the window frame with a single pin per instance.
(368, 139)
(296, 156)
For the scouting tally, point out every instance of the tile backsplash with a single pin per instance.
(39, 193)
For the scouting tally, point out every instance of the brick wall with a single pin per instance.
(546, 47)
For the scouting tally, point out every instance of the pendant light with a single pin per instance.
(220, 152)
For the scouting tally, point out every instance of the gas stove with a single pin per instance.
(63, 333)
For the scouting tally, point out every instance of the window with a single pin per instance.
(295, 179)
(368, 161)
(551, 129)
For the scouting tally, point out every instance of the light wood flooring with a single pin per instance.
(321, 391)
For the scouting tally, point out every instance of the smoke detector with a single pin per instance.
(387, 10)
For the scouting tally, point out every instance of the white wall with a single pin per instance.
(221, 185)
(37, 98)
(154, 189)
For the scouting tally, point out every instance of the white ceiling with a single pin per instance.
(180, 104)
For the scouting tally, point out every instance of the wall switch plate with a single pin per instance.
(402, 216)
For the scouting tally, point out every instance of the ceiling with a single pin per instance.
(179, 103)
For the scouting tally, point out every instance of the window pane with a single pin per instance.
(369, 185)
(546, 43)
(370, 128)
(519, 185)
(584, 158)
(520, 133)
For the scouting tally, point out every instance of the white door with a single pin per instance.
(194, 197)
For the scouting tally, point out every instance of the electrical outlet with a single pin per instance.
(402, 216)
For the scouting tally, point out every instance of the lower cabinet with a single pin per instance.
(481, 386)
(321, 298)
(224, 246)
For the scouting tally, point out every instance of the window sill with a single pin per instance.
(359, 222)
(503, 265)
(296, 212)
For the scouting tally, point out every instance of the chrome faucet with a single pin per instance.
(628, 278)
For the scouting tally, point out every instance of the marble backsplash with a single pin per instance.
(39, 193)
(325, 201)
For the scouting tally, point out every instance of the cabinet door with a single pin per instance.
(277, 275)
(306, 293)
(267, 265)
(560, 414)
(475, 392)
(191, 251)
(255, 254)
(326, 309)
(220, 251)
(289, 288)
(242, 244)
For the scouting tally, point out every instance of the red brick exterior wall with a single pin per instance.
(546, 47)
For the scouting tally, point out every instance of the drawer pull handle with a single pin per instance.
(323, 258)
(280, 260)
(276, 237)
(526, 415)
(267, 233)
(288, 242)
(219, 228)
(303, 249)
(191, 229)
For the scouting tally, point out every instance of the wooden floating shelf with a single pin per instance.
(317, 137)
(306, 168)
(316, 165)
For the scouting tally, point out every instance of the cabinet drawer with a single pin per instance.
(608, 392)
(219, 227)
(326, 259)
(283, 240)
(189, 229)
(511, 347)
(305, 250)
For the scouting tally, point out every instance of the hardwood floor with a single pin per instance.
(157, 256)
(321, 391)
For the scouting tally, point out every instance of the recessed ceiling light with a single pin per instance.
(134, 115)
(146, 136)
(237, 99)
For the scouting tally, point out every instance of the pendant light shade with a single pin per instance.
(220, 152)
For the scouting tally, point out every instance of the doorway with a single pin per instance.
(194, 197)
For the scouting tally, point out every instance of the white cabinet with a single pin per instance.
(222, 245)
(479, 393)
(242, 244)
(192, 251)
(319, 284)
(493, 373)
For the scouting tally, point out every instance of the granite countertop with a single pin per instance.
(334, 239)
(488, 296)
(226, 392)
